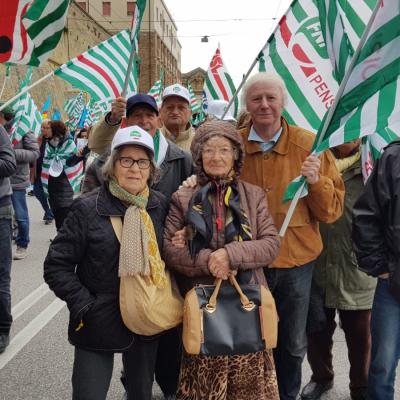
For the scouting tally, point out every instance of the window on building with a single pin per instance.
(107, 8)
(130, 8)
(82, 4)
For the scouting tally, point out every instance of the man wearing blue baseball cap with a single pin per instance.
(175, 166)
(141, 109)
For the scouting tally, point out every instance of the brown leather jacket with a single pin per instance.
(273, 172)
(247, 255)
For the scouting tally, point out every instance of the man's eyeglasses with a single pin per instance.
(127, 162)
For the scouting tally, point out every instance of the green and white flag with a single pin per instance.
(74, 108)
(370, 102)
(157, 89)
(96, 110)
(218, 84)
(102, 69)
(194, 104)
(31, 30)
(27, 116)
(297, 52)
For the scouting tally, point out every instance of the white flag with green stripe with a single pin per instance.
(27, 118)
(96, 110)
(102, 69)
(218, 84)
(296, 51)
(370, 102)
(157, 89)
(194, 104)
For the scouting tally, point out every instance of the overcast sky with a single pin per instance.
(240, 27)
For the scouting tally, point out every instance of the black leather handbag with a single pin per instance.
(229, 319)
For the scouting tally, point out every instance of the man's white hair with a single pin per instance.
(266, 77)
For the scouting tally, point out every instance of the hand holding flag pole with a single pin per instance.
(320, 135)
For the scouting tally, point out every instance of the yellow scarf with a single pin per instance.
(139, 253)
(344, 163)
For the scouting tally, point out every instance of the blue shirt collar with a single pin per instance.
(265, 145)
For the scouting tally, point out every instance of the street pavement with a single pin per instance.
(38, 363)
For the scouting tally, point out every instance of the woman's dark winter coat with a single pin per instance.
(81, 268)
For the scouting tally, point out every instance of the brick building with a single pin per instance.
(159, 46)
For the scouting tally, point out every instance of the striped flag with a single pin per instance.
(96, 110)
(296, 51)
(57, 157)
(194, 104)
(370, 102)
(218, 84)
(31, 29)
(102, 69)
(157, 89)
(27, 118)
(74, 108)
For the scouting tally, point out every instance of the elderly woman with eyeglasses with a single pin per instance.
(229, 230)
(86, 260)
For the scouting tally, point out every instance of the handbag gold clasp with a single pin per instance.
(248, 306)
(210, 308)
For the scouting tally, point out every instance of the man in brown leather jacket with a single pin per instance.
(276, 153)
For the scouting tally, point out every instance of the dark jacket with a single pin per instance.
(8, 167)
(336, 271)
(81, 268)
(376, 220)
(26, 153)
(252, 255)
(176, 167)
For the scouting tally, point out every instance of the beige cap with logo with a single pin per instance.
(176, 90)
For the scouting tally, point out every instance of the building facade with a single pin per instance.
(81, 33)
(159, 47)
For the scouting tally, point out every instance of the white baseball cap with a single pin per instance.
(218, 107)
(176, 90)
(132, 135)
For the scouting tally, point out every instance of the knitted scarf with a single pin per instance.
(139, 252)
(225, 196)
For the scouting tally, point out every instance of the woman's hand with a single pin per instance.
(190, 182)
(219, 265)
(179, 239)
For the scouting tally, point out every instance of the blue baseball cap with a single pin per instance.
(141, 99)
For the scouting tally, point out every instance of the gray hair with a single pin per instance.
(108, 167)
(267, 77)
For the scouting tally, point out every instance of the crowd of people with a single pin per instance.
(205, 203)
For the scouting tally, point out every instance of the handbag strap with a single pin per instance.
(212, 303)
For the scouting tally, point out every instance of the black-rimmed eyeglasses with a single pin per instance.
(127, 162)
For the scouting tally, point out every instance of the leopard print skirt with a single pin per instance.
(242, 377)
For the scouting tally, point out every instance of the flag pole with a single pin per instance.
(26, 89)
(134, 27)
(4, 85)
(330, 114)
(252, 66)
